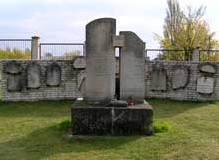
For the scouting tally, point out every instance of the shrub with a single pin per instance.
(161, 126)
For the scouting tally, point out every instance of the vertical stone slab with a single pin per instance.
(180, 77)
(196, 55)
(100, 60)
(14, 83)
(159, 79)
(35, 48)
(53, 75)
(205, 85)
(33, 75)
(132, 68)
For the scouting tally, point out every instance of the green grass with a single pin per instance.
(0, 88)
(37, 131)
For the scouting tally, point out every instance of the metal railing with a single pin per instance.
(168, 54)
(180, 55)
(60, 51)
(209, 55)
(15, 48)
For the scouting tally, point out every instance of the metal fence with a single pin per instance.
(15, 48)
(61, 51)
(168, 54)
(209, 55)
(180, 55)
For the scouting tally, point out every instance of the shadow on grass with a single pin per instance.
(46, 142)
(35, 109)
(169, 108)
(162, 108)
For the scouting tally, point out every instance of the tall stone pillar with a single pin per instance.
(132, 61)
(100, 60)
(35, 48)
(196, 55)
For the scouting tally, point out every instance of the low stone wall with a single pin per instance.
(192, 81)
(0, 70)
(25, 80)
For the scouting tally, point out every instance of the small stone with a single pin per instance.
(119, 103)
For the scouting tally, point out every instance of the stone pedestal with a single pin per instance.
(101, 120)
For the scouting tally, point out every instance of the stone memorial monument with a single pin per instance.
(132, 68)
(101, 113)
(100, 60)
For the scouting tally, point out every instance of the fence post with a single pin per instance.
(35, 48)
(196, 55)
(84, 49)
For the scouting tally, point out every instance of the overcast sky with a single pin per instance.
(65, 20)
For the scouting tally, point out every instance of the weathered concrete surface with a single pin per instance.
(97, 120)
(13, 67)
(159, 79)
(180, 77)
(91, 120)
(205, 85)
(100, 60)
(81, 78)
(207, 68)
(118, 103)
(132, 62)
(119, 41)
(33, 75)
(79, 63)
(195, 55)
(53, 75)
(135, 120)
(14, 83)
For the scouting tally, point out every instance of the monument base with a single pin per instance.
(101, 120)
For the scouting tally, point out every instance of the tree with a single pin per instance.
(14, 53)
(71, 55)
(185, 30)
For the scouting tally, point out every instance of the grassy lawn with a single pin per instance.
(33, 131)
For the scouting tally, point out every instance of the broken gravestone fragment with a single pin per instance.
(13, 67)
(53, 75)
(205, 85)
(207, 68)
(158, 79)
(33, 75)
(79, 63)
(180, 77)
(14, 83)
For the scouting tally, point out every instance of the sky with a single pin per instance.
(65, 20)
